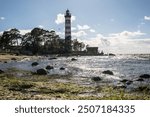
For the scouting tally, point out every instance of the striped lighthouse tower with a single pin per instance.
(68, 47)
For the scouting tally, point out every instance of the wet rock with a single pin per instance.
(145, 76)
(140, 80)
(49, 67)
(96, 79)
(73, 59)
(108, 72)
(41, 72)
(129, 82)
(52, 58)
(34, 63)
(62, 68)
(111, 54)
(5, 61)
(124, 80)
(14, 59)
(1, 71)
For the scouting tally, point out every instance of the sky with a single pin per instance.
(116, 26)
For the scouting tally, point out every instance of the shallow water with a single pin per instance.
(123, 66)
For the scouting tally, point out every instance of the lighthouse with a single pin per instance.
(68, 47)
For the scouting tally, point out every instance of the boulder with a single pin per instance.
(129, 82)
(49, 67)
(145, 76)
(14, 59)
(52, 58)
(140, 80)
(73, 59)
(96, 79)
(5, 61)
(41, 72)
(124, 80)
(34, 63)
(1, 71)
(111, 54)
(108, 72)
(62, 68)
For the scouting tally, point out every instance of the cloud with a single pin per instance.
(73, 28)
(23, 32)
(40, 26)
(79, 34)
(147, 18)
(84, 27)
(127, 34)
(120, 43)
(92, 30)
(61, 19)
(2, 18)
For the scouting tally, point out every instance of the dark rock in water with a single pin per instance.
(1, 71)
(124, 80)
(110, 54)
(140, 80)
(34, 63)
(41, 72)
(129, 82)
(62, 68)
(14, 59)
(73, 59)
(96, 79)
(49, 67)
(52, 58)
(5, 61)
(108, 72)
(145, 76)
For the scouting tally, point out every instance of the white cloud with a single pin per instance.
(121, 43)
(23, 32)
(73, 28)
(92, 30)
(79, 34)
(147, 18)
(84, 27)
(40, 26)
(2, 18)
(61, 19)
(127, 34)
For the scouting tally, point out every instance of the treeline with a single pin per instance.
(38, 41)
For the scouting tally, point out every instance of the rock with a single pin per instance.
(5, 61)
(140, 80)
(14, 59)
(52, 58)
(124, 80)
(96, 79)
(49, 67)
(108, 72)
(110, 54)
(34, 63)
(73, 59)
(41, 72)
(62, 68)
(1, 71)
(129, 82)
(145, 76)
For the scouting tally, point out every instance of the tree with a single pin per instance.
(10, 38)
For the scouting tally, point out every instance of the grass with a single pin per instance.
(37, 87)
